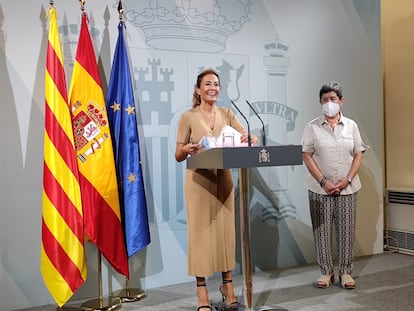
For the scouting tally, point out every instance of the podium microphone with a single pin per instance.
(263, 127)
(249, 137)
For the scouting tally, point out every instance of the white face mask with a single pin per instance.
(330, 109)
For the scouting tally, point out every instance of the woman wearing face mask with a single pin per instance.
(332, 151)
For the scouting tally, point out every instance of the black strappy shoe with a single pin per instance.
(234, 306)
(200, 308)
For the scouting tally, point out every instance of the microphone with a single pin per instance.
(263, 127)
(249, 137)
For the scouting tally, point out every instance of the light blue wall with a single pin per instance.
(274, 53)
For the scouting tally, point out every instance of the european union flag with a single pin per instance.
(123, 123)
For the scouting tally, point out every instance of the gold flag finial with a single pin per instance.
(51, 3)
(82, 4)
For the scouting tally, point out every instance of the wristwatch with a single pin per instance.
(349, 180)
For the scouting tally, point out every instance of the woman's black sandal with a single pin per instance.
(231, 306)
(206, 306)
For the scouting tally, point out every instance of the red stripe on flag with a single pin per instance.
(56, 71)
(62, 262)
(59, 139)
(62, 203)
(85, 55)
(99, 215)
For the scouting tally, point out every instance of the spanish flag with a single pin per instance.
(62, 262)
(98, 180)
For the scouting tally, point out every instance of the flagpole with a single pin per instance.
(59, 278)
(128, 294)
(101, 303)
(100, 199)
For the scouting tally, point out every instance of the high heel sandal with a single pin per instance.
(325, 281)
(347, 281)
(231, 306)
(203, 306)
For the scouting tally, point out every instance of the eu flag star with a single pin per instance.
(130, 110)
(116, 107)
(131, 178)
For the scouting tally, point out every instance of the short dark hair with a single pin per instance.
(332, 86)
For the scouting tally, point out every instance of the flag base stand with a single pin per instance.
(130, 294)
(103, 304)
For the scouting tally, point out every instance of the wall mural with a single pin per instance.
(275, 54)
(178, 39)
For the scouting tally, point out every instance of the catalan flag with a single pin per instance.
(98, 181)
(123, 123)
(62, 262)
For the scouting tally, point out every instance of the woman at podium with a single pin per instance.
(209, 193)
(332, 151)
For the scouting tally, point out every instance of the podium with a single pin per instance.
(244, 158)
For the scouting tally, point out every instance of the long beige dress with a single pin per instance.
(209, 195)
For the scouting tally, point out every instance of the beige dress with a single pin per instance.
(209, 195)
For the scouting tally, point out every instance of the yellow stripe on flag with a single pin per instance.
(54, 98)
(63, 234)
(54, 281)
(102, 159)
(62, 174)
